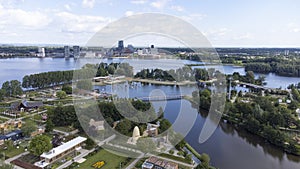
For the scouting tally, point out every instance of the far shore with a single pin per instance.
(152, 81)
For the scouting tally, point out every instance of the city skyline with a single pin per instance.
(226, 24)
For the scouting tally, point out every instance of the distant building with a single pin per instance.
(67, 51)
(60, 151)
(76, 52)
(41, 52)
(120, 45)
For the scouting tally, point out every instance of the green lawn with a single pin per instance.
(12, 151)
(112, 161)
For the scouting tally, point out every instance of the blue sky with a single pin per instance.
(230, 23)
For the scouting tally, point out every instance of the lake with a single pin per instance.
(228, 147)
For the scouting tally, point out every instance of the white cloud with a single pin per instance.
(129, 13)
(293, 27)
(88, 3)
(81, 23)
(139, 1)
(177, 8)
(28, 19)
(68, 7)
(160, 4)
(245, 36)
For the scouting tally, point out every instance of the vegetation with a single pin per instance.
(11, 88)
(28, 128)
(111, 160)
(181, 74)
(261, 116)
(40, 144)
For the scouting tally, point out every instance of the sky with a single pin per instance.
(230, 23)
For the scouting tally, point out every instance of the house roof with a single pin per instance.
(64, 147)
(31, 104)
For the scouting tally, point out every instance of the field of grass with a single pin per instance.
(12, 151)
(112, 161)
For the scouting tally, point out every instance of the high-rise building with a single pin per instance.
(41, 52)
(120, 45)
(67, 51)
(76, 52)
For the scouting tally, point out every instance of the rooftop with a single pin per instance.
(64, 147)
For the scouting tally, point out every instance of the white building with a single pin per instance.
(60, 151)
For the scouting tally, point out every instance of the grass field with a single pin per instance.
(112, 161)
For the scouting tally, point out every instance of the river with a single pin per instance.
(228, 147)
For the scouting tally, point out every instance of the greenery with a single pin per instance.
(180, 74)
(112, 161)
(11, 88)
(40, 144)
(28, 128)
(261, 116)
(61, 94)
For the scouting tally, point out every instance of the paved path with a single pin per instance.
(131, 165)
(15, 157)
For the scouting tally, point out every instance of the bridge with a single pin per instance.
(256, 86)
(161, 98)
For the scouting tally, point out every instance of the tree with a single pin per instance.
(28, 128)
(67, 89)
(6, 88)
(40, 144)
(49, 125)
(189, 157)
(2, 94)
(146, 145)
(61, 94)
(16, 88)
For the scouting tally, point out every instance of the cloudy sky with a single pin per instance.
(230, 23)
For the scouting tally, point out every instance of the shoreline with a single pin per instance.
(151, 81)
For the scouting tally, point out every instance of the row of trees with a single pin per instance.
(48, 79)
(180, 74)
(280, 68)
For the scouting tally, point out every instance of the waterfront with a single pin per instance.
(228, 148)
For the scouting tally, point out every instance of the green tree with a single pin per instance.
(28, 128)
(61, 94)
(49, 125)
(2, 94)
(67, 89)
(40, 144)
(16, 88)
(6, 88)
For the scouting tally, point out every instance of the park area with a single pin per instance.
(109, 161)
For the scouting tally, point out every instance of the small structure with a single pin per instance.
(14, 136)
(99, 125)
(152, 129)
(39, 131)
(25, 105)
(60, 151)
(135, 136)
